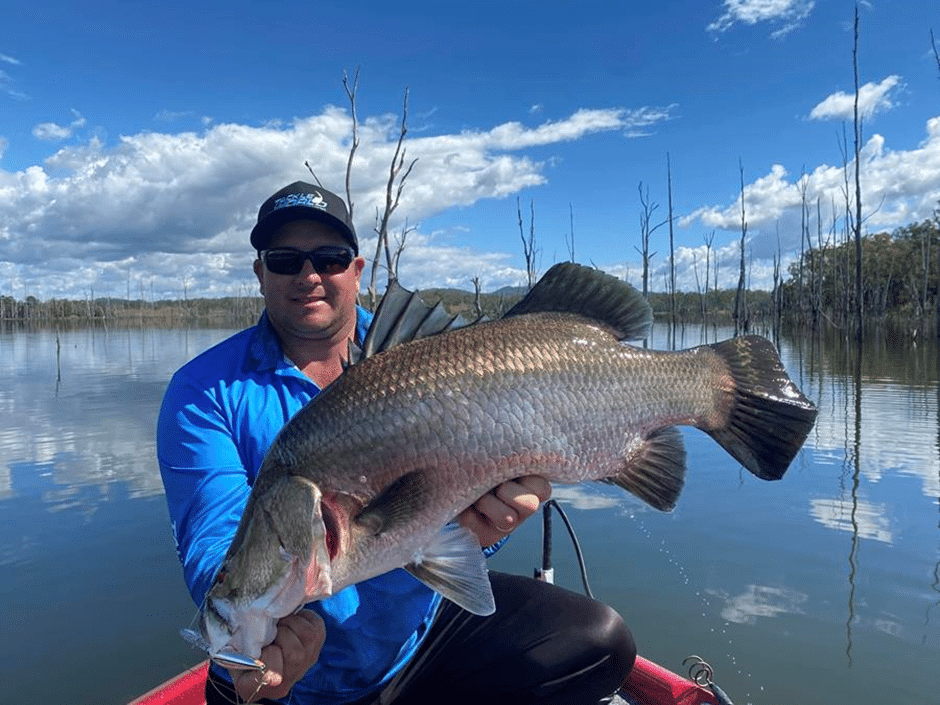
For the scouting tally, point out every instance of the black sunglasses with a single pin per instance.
(329, 259)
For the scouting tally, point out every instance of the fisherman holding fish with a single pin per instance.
(389, 638)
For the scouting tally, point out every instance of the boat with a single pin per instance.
(647, 684)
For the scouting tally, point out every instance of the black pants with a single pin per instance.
(543, 645)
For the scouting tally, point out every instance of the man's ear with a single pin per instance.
(258, 266)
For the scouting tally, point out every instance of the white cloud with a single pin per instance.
(52, 132)
(872, 98)
(155, 206)
(789, 14)
(165, 115)
(7, 84)
(898, 188)
(9, 60)
(4, 143)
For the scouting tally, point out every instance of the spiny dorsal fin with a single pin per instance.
(402, 317)
(573, 288)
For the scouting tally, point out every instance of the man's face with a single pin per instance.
(309, 306)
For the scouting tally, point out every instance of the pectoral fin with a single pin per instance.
(454, 565)
(397, 504)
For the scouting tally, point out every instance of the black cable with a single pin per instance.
(547, 544)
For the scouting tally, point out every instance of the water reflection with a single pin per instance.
(79, 407)
(840, 557)
(585, 497)
(760, 601)
(867, 520)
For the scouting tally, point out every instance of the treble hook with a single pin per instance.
(701, 673)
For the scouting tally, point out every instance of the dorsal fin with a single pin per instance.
(573, 288)
(401, 317)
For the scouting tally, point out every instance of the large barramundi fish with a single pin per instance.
(369, 475)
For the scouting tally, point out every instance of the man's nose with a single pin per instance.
(307, 270)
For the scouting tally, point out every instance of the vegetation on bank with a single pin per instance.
(900, 278)
(900, 274)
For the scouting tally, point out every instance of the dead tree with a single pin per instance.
(528, 243)
(477, 303)
(698, 285)
(351, 95)
(647, 208)
(570, 237)
(708, 256)
(739, 315)
(672, 250)
(397, 175)
(858, 197)
(805, 244)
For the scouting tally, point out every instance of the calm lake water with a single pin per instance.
(821, 588)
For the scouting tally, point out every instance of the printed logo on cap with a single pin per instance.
(314, 200)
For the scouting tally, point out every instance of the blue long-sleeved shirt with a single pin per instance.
(220, 414)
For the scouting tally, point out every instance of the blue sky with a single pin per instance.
(137, 141)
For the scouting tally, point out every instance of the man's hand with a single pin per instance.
(294, 650)
(497, 513)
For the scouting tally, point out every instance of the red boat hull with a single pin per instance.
(647, 684)
(188, 688)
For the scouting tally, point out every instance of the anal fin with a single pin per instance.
(454, 566)
(656, 471)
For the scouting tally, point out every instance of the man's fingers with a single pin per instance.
(295, 648)
(300, 637)
(512, 502)
(524, 494)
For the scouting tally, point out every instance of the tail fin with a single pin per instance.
(770, 417)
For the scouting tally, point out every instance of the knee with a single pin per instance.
(613, 638)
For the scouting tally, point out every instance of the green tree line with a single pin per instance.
(225, 309)
(900, 278)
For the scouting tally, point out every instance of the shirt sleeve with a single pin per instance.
(204, 477)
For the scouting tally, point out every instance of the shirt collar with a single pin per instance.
(265, 348)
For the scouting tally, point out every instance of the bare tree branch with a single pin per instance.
(313, 173)
(392, 198)
(351, 94)
(528, 244)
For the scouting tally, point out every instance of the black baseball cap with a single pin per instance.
(302, 201)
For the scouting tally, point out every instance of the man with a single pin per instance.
(388, 638)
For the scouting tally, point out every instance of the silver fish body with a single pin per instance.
(367, 477)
